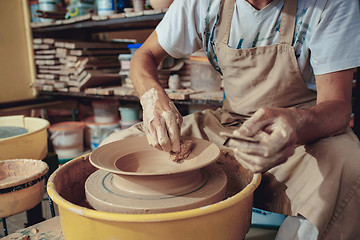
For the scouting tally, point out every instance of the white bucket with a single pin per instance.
(106, 7)
(106, 111)
(67, 139)
(129, 116)
(95, 133)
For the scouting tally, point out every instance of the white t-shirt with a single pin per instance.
(327, 32)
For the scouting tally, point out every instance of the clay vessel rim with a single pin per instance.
(41, 125)
(40, 169)
(203, 154)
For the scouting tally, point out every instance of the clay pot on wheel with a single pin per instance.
(160, 4)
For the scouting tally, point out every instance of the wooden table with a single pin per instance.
(49, 229)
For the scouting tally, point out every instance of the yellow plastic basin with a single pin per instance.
(226, 220)
(31, 145)
(21, 185)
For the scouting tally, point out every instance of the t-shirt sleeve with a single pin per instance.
(335, 43)
(178, 33)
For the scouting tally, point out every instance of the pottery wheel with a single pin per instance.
(125, 194)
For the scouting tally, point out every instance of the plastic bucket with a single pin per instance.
(106, 111)
(96, 132)
(67, 139)
(106, 7)
(31, 145)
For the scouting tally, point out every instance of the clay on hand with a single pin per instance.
(162, 122)
(275, 137)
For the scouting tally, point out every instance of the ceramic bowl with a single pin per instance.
(21, 185)
(134, 156)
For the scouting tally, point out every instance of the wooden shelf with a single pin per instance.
(211, 99)
(92, 23)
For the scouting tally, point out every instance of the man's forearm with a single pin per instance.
(322, 120)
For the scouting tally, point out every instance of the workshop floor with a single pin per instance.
(19, 221)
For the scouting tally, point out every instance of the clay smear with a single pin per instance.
(185, 150)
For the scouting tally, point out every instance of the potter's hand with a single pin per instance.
(275, 132)
(161, 120)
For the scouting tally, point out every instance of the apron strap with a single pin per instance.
(227, 12)
(287, 25)
(288, 20)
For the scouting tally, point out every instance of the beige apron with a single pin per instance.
(320, 181)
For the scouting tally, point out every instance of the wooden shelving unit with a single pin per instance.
(88, 24)
(84, 26)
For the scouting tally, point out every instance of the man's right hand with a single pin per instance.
(162, 121)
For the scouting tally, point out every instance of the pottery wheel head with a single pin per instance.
(134, 156)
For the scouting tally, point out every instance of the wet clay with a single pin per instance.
(166, 125)
(16, 172)
(185, 150)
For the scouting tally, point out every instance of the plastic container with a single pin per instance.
(105, 7)
(133, 47)
(21, 185)
(129, 116)
(49, 6)
(265, 219)
(34, 6)
(106, 111)
(30, 145)
(203, 76)
(229, 219)
(96, 132)
(67, 139)
(138, 5)
(78, 9)
(124, 60)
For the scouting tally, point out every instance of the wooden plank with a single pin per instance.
(96, 45)
(118, 15)
(99, 18)
(45, 52)
(77, 19)
(134, 14)
(101, 90)
(78, 52)
(96, 79)
(124, 91)
(216, 95)
(180, 94)
(36, 56)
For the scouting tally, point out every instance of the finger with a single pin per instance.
(151, 137)
(163, 137)
(254, 124)
(257, 163)
(175, 139)
(253, 148)
(173, 123)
